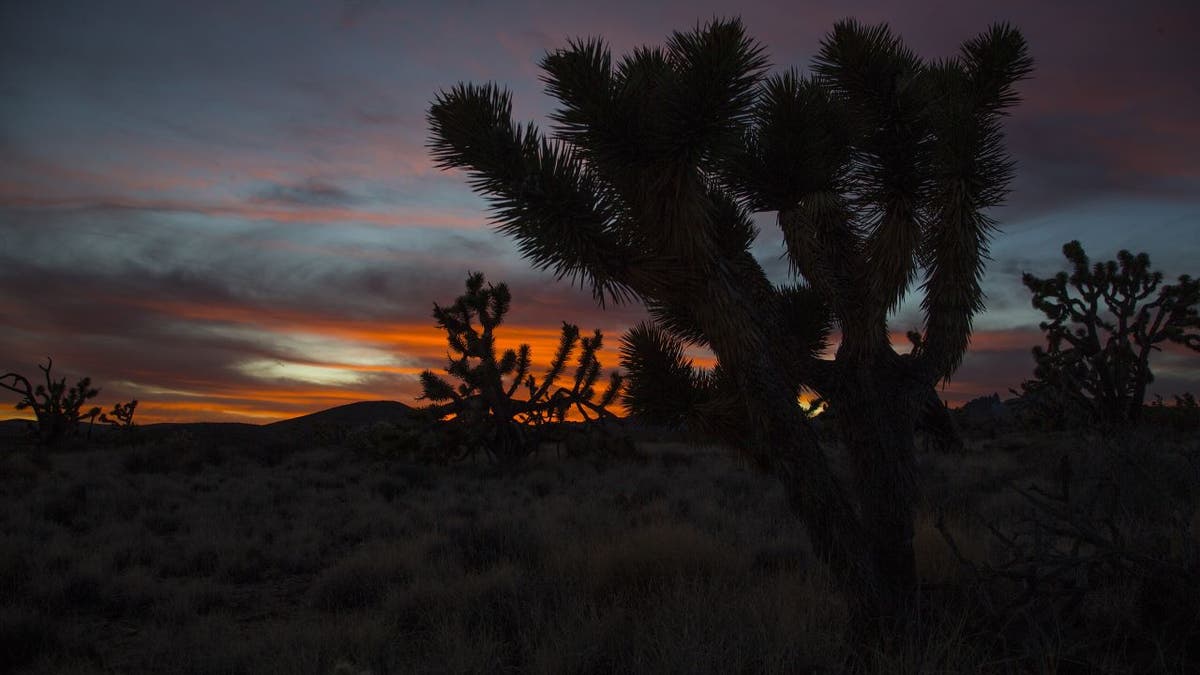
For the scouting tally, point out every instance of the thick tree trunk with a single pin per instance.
(868, 549)
(867, 543)
(741, 332)
(876, 420)
(793, 454)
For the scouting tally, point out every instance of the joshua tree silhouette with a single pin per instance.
(58, 409)
(493, 413)
(880, 167)
(1104, 322)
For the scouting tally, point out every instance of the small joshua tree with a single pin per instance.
(121, 418)
(1104, 322)
(58, 409)
(486, 402)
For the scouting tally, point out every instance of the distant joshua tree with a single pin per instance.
(1104, 321)
(121, 416)
(58, 409)
(504, 417)
(880, 167)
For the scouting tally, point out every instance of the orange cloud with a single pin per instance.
(414, 345)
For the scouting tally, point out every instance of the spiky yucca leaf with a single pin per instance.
(793, 117)
(436, 389)
(662, 384)
(970, 173)
(542, 195)
(807, 320)
(717, 68)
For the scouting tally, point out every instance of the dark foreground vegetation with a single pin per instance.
(187, 554)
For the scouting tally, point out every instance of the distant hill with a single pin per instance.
(344, 417)
(347, 416)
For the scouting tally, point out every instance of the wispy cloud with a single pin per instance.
(312, 192)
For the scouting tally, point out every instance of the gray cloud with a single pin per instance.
(313, 192)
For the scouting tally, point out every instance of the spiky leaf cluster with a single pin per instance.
(497, 398)
(1104, 320)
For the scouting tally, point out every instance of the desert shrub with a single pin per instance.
(360, 580)
(671, 459)
(16, 568)
(415, 475)
(267, 453)
(147, 460)
(76, 588)
(245, 564)
(384, 439)
(197, 560)
(775, 556)
(162, 524)
(478, 546)
(650, 559)
(68, 506)
(1120, 522)
(179, 451)
(26, 634)
(133, 592)
(23, 467)
(326, 434)
(599, 442)
(387, 488)
(512, 606)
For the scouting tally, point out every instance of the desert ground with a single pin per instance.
(183, 553)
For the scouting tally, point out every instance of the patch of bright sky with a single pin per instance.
(152, 390)
(1105, 227)
(308, 347)
(267, 370)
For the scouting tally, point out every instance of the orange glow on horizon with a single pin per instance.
(365, 360)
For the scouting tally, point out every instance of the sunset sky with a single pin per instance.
(226, 209)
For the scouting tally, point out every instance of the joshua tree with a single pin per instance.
(880, 168)
(121, 416)
(121, 419)
(1104, 322)
(490, 409)
(58, 409)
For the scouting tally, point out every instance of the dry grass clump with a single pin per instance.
(936, 562)
(363, 578)
(649, 559)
